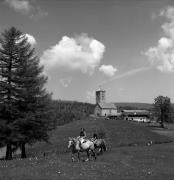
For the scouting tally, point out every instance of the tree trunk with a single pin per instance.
(162, 119)
(8, 155)
(23, 153)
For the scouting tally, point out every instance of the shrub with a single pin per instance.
(101, 133)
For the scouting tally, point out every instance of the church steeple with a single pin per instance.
(100, 96)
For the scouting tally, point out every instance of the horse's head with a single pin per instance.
(71, 142)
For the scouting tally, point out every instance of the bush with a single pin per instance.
(101, 133)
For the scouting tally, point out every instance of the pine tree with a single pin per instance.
(25, 111)
(9, 62)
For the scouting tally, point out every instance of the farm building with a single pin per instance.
(136, 115)
(102, 108)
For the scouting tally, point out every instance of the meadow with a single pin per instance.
(134, 152)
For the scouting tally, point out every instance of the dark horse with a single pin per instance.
(78, 146)
(99, 144)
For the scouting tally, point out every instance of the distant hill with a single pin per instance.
(135, 105)
(129, 105)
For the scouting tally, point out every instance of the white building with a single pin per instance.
(102, 108)
(136, 115)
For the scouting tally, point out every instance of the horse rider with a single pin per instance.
(95, 136)
(94, 139)
(82, 136)
(83, 133)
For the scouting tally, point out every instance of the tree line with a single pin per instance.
(68, 111)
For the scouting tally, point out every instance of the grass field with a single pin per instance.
(128, 156)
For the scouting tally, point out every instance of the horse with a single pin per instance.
(81, 145)
(99, 144)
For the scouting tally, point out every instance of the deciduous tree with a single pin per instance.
(162, 106)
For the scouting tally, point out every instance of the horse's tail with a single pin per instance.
(104, 145)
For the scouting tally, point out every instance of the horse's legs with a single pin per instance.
(87, 152)
(72, 157)
(101, 149)
(104, 147)
(94, 154)
(78, 155)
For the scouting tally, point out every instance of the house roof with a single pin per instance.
(135, 112)
(107, 105)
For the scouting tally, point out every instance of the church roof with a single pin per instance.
(107, 105)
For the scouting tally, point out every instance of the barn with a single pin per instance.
(136, 115)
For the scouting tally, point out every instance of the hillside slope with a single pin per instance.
(118, 133)
(128, 156)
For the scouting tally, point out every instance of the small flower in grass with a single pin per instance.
(149, 172)
(149, 143)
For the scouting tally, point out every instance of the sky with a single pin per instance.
(126, 47)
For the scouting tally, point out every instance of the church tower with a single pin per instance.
(100, 96)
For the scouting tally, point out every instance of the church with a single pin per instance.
(102, 107)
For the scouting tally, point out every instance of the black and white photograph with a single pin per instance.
(86, 89)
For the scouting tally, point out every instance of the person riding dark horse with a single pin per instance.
(99, 143)
(95, 136)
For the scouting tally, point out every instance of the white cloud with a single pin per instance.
(26, 7)
(161, 56)
(31, 39)
(108, 70)
(19, 5)
(66, 81)
(80, 53)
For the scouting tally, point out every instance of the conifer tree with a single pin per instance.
(25, 110)
(9, 62)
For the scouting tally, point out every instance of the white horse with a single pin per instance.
(81, 145)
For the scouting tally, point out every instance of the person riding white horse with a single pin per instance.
(82, 136)
(77, 147)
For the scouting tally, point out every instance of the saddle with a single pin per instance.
(81, 141)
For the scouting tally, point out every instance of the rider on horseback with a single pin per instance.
(95, 136)
(82, 136)
(83, 133)
(94, 139)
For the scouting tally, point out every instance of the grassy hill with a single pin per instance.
(128, 156)
(118, 133)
